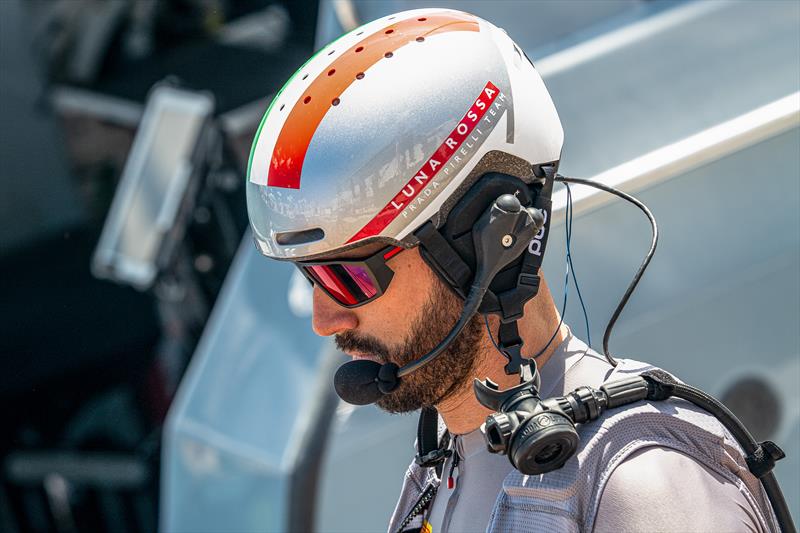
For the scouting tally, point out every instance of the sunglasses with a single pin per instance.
(353, 282)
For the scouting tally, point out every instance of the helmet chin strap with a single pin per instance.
(510, 345)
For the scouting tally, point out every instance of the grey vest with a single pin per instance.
(568, 499)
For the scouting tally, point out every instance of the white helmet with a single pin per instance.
(385, 128)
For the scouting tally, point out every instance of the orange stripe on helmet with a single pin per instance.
(306, 115)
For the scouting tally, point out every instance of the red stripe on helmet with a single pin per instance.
(391, 253)
(432, 166)
(309, 110)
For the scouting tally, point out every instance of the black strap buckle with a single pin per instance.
(433, 458)
(763, 459)
(515, 360)
(510, 343)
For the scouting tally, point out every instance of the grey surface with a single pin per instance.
(677, 82)
(244, 405)
(531, 24)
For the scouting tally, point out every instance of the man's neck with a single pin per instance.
(462, 413)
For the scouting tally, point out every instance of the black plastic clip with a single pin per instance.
(515, 360)
(433, 458)
(510, 343)
(762, 461)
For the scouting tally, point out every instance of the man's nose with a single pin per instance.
(330, 318)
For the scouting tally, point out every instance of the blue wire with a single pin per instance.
(570, 270)
(572, 267)
(568, 233)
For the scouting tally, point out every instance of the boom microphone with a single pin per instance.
(359, 382)
(500, 235)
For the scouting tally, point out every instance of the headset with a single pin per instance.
(478, 251)
(489, 251)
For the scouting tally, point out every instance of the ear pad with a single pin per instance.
(457, 230)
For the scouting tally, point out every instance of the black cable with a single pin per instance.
(624, 300)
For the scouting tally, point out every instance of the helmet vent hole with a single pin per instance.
(420, 39)
(281, 107)
(388, 54)
(307, 99)
(423, 19)
(391, 18)
(331, 72)
(331, 52)
(387, 32)
(305, 76)
(360, 76)
(359, 49)
(335, 101)
(299, 237)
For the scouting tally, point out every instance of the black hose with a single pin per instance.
(671, 387)
(778, 502)
(748, 444)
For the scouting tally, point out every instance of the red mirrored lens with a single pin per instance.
(361, 277)
(329, 280)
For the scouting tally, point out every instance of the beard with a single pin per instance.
(448, 373)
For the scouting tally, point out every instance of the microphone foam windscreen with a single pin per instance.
(356, 382)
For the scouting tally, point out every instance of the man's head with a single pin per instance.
(374, 141)
(408, 320)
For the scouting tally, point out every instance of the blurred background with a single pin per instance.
(158, 374)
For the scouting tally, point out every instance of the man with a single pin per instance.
(374, 170)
